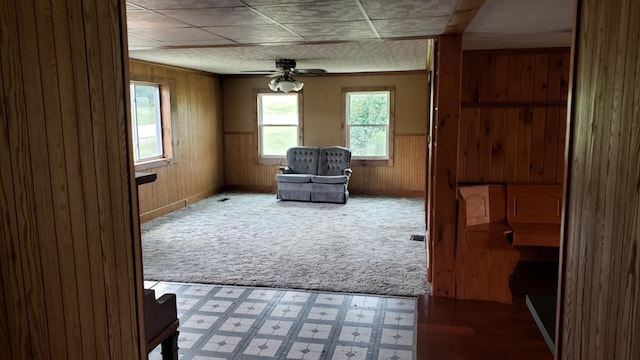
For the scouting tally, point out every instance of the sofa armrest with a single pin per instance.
(347, 172)
(285, 169)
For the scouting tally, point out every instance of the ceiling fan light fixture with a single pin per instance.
(285, 84)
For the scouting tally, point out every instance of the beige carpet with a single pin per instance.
(255, 240)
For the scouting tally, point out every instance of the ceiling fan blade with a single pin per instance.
(310, 71)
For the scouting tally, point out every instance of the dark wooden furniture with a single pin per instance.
(161, 323)
(484, 257)
(498, 226)
(160, 315)
(534, 214)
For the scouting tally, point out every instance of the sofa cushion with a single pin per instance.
(293, 178)
(333, 160)
(338, 179)
(303, 159)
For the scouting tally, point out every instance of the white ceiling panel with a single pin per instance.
(172, 35)
(352, 30)
(402, 9)
(280, 2)
(136, 42)
(320, 11)
(185, 4)
(335, 58)
(142, 19)
(530, 21)
(217, 16)
(335, 35)
(410, 27)
(254, 34)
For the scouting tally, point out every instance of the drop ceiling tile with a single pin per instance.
(140, 42)
(142, 19)
(402, 9)
(184, 4)
(410, 27)
(333, 31)
(320, 11)
(177, 34)
(279, 2)
(255, 33)
(197, 43)
(217, 16)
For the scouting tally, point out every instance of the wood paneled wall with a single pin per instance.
(443, 170)
(70, 269)
(197, 131)
(513, 118)
(600, 287)
(405, 178)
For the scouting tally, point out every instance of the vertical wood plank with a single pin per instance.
(484, 145)
(487, 77)
(501, 77)
(498, 146)
(442, 236)
(523, 166)
(600, 290)
(88, 175)
(527, 78)
(20, 244)
(463, 150)
(542, 76)
(473, 146)
(513, 78)
(511, 144)
(58, 176)
(538, 127)
(562, 133)
(13, 311)
(551, 146)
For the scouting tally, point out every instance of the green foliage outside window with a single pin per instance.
(368, 122)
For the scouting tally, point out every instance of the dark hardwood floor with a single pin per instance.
(459, 329)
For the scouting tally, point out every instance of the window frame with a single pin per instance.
(168, 109)
(370, 160)
(275, 159)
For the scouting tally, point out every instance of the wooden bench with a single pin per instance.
(161, 323)
(488, 215)
(484, 257)
(534, 213)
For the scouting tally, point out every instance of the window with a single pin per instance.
(369, 123)
(150, 122)
(279, 125)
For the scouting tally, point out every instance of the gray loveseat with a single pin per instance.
(317, 174)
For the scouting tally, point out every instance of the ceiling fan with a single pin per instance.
(283, 80)
(288, 66)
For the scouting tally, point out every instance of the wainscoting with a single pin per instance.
(405, 178)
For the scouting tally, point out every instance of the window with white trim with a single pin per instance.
(279, 124)
(150, 122)
(369, 123)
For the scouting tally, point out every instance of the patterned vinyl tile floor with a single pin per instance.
(231, 322)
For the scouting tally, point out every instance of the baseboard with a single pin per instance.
(251, 188)
(385, 192)
(197, 197)
(175, 206)
(162, 210)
